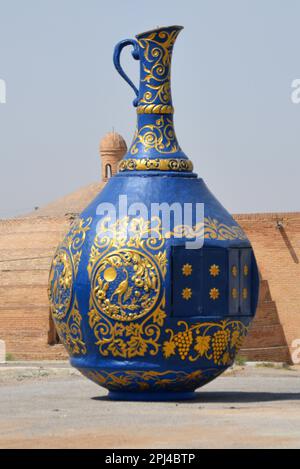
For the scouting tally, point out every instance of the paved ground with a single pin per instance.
(54, 407)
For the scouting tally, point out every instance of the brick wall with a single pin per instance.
(27, 246)
(276, 241)
(26, 250)
(266, 340)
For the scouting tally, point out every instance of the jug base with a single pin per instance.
(151, 396)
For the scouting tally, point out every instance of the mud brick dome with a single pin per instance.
(112, 149)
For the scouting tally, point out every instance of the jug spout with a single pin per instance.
(155, 48)
(155, 146)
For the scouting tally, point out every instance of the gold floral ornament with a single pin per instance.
(234, 271)
(210, 229)
(70, 332)
(245, 293)
(156, 164)
(246, 270)
(63, 303)
(61, 284)
(75, 239)
(214, 293)
(158, 52)
(127, 268)
(186, 293)
(214, 270)
(214, 341)
(234, 293)
(155, 109)
(159, 136)
(187, 270)
(144, 380)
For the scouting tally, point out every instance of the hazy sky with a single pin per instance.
(232, 72)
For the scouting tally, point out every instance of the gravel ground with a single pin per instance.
(51, 406)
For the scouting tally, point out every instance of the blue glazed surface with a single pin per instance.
(154, 49)
(151, 396)
(138, 311)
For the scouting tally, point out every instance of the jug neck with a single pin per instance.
(155, 53)
(155, 146)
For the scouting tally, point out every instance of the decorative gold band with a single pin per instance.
(155, 109)
(157, 164)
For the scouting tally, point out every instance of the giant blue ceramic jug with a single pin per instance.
(141, 310)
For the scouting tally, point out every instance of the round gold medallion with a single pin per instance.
(126, 284)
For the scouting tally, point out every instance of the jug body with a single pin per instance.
(141, 309)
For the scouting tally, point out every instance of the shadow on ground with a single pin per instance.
(228, 397)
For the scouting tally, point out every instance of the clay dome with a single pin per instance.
(113, 141)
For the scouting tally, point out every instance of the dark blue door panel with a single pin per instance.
(215, 282)
(211, 282)
(187, 281)
(245, 281)
(234, 280)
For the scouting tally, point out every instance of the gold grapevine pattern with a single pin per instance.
(216, 341)
(144, 380)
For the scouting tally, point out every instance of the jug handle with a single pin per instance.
(135, 54)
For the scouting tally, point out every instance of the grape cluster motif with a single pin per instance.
(183, 342)
(220, 341)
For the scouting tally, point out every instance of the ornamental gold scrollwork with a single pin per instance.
(64, 308)
(61, 284)
(156, 164)
(210, 229)
(160, 93)
(145, 380)
(159, 136)
(63, 302)
(70, 332)
(215, 341)
(156, 95)
(127, 269)
(155, 109)
(157, 52)
(74, 240)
